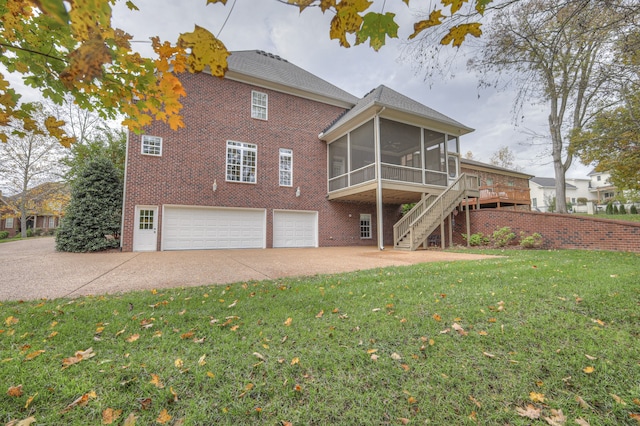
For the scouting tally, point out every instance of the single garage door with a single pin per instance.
(202, 228)
(295, 229)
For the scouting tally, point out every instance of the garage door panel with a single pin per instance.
(295, 229)
(188, 228)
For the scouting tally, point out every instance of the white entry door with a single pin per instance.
(145, 231)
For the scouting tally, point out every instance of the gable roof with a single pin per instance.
(550, 182)
(384, 97)
(478, 164)
(273, 72)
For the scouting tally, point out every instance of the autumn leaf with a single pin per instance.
(556, 419)
(618, 399)
(581, 422)
(458, 33)
(110, 415)
(210, 374)
(79, 356)
(376, 27)
(582, 402)
(81, 401)
(536, 397)
(23, 422)
(133, 338)
(436, 317)
(33, 355)
(259, 356)
(163, 417)
(488, 355)
(201, 360)
(320, 314)
(395, 357)
(187, 335)
(589, 369)
(178, 363)
(295, 361)
(174, 393)
(459, 329)
(374, 357)
(206, 51)
(11, 320)
(30, 400)
(288, 321)
(435, 19)
(635, 416)
(15, 391)
(530, 412)
(155, 380)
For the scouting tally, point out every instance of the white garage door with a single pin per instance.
(295, 229)
(201, 228)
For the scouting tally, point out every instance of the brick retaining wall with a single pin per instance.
(561, 231)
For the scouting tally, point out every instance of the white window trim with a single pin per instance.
(285, 153)
(8, 223)
(255, 106)
(243, 147)
(155, 139)
(52, 222)
(363, 236)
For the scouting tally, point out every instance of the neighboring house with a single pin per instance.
(45, 208)
(543, 192)
(274, 156)
(499, 187)
(601, 189)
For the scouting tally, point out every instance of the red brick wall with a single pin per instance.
(559, 231)
(194, 157)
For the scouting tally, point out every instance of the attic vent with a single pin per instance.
(271, 55)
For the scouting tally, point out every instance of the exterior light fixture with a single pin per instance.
(215, 185)
(297, 191)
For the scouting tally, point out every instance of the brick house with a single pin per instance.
(45, 206)
(273, 156)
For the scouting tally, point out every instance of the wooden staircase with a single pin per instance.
(414, 228)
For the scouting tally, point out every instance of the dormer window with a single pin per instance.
(259, 105)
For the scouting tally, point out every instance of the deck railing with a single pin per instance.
(504, 192)
(390, 172)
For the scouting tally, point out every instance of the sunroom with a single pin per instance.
(413, 149)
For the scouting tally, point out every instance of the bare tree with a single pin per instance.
(28, 159)
(504, 158)
(558, 53)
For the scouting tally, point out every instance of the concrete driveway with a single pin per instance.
(32, 269)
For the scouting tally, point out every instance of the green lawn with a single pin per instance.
(625, 217)
(540, 333)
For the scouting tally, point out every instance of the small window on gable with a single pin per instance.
(286, 167)
(365, 226)
(8, 223)
(151, 145)
(259, 105)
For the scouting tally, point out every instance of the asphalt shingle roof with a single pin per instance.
(272, 68)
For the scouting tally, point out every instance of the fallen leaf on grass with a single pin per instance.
(636, 401)
(11, 320)
(187, 335)
(395, 357)
(475, 401)
(589, 370)
(259, 356)
(32, 355)
(531, 412)
(295, 361)
(403, 420)
(15, 391)
(23, 422)
(163, 417)
(202, 361)
(79, 356)
(174, 393)
(374, 357)
(437, 317)
(320, 314)
(178, 363)
(582, 422)
(489, 355)
(288, 321)
(618, 399)
(81, 401)
(133, 338)
(30, 400)
(590, 358)
(536, 397)
(556, 419)
(582, 402)
(155, 380)
(635, 416)
(110, 415)
(459, 329)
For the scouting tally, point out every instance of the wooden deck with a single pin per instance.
(497, 197)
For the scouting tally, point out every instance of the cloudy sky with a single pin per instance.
(303, 39)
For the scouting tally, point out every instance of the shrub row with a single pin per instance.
(503, 237)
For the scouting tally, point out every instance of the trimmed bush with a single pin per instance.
(4, 234)
(615, 210)
(532, 241)
(476, 239)
(633, 209)
(502, 237)
(609, 209)
(623, 209)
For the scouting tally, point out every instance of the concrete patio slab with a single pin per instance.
(32, 269)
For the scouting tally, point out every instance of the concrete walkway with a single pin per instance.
(32, 269)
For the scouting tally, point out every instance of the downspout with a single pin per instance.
(379, 206)
(124, 188)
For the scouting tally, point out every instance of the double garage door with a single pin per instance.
(201, 228)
